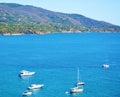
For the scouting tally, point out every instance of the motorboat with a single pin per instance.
(35, 86)
(26, 73)
(27, 93)
(105, 66)
(76, 90)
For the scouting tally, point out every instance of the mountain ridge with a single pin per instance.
(17, 18)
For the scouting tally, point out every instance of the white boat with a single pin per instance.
(105, 66)
(27, 93)
(79, 85)
(26, 73)
(78, 79)
(76, 90)
(35, 86)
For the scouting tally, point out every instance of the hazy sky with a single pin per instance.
(103, 10)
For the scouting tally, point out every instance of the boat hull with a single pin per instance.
(105, 66)
(34, 86)
(76, 90)
(26, 73)
(27, 93)
(80, 83)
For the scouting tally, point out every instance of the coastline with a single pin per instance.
(43, 33)
(9, 34)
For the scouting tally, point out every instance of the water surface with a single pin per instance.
(55, 58)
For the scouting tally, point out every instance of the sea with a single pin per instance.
(55, 58)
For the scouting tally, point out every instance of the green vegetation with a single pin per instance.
(37, 28)
(15, 18)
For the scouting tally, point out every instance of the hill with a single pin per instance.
(16, 18)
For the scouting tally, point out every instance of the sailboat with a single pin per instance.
(79, 85)
(78, 79)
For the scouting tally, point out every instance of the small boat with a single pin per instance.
(35, 86)
(27, 93)
(78, 79)
(26, 73)
(76, 90)
(79, 85)
(105, 66)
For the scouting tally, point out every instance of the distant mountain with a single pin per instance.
(16, 18)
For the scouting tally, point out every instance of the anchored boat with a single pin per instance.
(27, 93)
(79, 85)
(35, 86)
(26, 73)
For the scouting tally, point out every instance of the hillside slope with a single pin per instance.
(16, 18)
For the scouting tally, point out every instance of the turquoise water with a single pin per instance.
(55, 58)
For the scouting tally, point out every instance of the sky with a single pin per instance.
(102, 10)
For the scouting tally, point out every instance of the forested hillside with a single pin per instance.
(16, 18)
